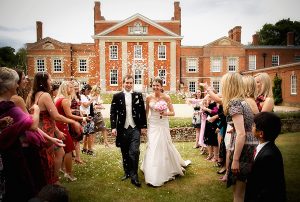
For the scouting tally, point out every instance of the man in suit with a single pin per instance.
(128, 121)
(266, 181)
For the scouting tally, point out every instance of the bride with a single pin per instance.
(162, 161)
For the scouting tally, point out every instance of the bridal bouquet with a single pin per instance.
(160, 106)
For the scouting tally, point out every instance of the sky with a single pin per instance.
(203, 21)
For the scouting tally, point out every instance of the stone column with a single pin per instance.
(173, 67)
(102, 65)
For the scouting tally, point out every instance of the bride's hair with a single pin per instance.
(160, 81)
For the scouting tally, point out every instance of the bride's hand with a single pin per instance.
(144, 131)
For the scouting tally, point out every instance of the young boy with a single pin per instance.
(266, 181)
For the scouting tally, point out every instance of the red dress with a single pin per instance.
(47, 124)
(63, 127)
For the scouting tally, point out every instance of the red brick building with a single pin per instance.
(146, 48)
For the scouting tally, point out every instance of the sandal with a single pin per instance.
(222, 171)
(209, 157)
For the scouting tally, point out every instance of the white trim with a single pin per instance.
(253, 57)
(136, 38)
(135, 49)
(236, 65)
(173, 81)
(188, 60)
(36, 64)
(110, 52)
(150, 61)
(110, 71)
(293, 76)
(132, 18)
(165, 49)
(102, 64)
(124, 58)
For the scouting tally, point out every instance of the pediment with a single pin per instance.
(47, 44)
(224, 41)
(137, 25)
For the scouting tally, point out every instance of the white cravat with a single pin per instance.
(259, 147)
(128, 103)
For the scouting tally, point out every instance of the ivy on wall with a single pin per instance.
(277, 92)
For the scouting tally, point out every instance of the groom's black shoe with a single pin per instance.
(135, 182)
(125, 177)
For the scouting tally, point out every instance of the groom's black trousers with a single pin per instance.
(130, 148)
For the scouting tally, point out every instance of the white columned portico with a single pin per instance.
(150, 62)
(124, 59)
(173, 66)
(102, 64)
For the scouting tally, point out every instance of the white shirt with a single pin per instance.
(85, 110)
(259, 147)
(128, 103)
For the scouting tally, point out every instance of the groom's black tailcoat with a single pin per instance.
(118, 113)
(128, 139)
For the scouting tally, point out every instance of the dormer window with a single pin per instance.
(137, 29)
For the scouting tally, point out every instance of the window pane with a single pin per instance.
(162, 75)
(192, 86)
(113, 77)
(40, 65)
(252, 62)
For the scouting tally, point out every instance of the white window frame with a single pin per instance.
(232, 64)
(275, 60)
(297, 58)
(192, 86)
(80, 65)
(113, 52)
(55, 65)
(40, 65)
(192, 65)
(215, 64)
(138, 74)
(113, 77)
(162, 73)
(216, 84)
(162, 52)
(252, 62)
(293, 84)
(137, 29)
(138, 52)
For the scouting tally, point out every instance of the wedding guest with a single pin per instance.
(162, 162)
(75, 109)
(249, 92)
(48, 115)
(63, 105)
(237, 109)
(128, 121)
(33, 143)
(87, 110)
(264, 97)
(18, 183)
(99, 124)
(196, 120)
(266, 181)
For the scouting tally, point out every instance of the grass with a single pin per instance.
(99, 178)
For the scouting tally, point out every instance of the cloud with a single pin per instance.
(14, 29)
(11, 42)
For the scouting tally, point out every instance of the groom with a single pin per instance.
(128, 120)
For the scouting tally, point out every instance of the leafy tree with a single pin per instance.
(21, 59)
(277, 34)
(277, 94)
(7, 57)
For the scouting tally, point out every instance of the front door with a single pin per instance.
(138, 80)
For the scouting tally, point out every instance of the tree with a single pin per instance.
(7, 57)
(21, 59)
(277, 94)
(277, 34)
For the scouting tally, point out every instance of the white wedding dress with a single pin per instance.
(162, 161)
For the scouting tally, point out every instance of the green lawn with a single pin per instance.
(99, 178)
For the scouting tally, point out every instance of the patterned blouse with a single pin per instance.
(239, 106)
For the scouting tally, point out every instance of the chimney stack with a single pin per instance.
(230, 34)
(290, 39)
(177, 11)
(97, 11)
(237, 31)
(39, 31)
(255, 39)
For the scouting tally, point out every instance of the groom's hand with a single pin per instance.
(114, 132)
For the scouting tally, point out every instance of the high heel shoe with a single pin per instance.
(69, 177)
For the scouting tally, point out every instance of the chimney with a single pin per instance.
(237, 31)
(177, 11)
(290, 39)
(255, 39)
(39, 31)
(97, 11)
(230, 34)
